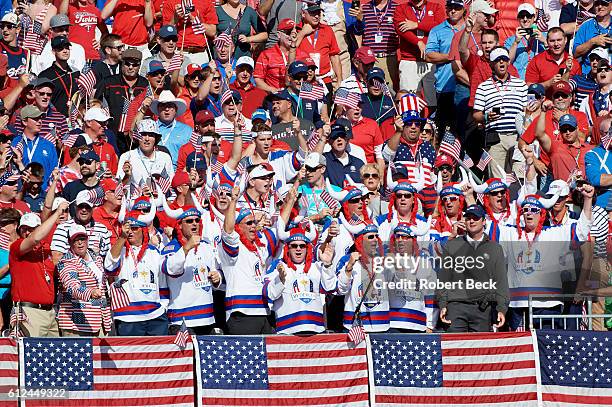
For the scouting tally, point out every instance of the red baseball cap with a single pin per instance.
(193, 68)
(204, 116)
(180, 178)
(365, 55)
(108, 184)
(286, 25)
(310, 62)
(560, 86)
(444, 159)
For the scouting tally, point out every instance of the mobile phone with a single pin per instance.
(531, 98)
(496, 110)
(561, 71)
(580, 183)
(356, 4)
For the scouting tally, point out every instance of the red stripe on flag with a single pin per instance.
(296, 370)
(329, 384)
(448, 400)
(310, 401)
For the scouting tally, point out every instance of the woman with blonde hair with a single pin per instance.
(370, 177)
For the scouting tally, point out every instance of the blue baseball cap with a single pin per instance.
(89, 155)
(196, 160)
(411, 116)
(341, 128)
(568, 120)
(260, 114)
(536, 89)
(297, 67)
(475, 210)
(166, 31)
(155, 66)
(375, 73)
(282, 95)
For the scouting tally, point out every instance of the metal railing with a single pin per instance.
(584, 320)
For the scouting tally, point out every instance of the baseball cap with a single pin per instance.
(312, 6)
(282, 95)
(30, 219)
(82, 140)
(455, 3)
(475, 210)
(286, 25)
(297, 67)
(444, 159)
(148, 126)
(341, 128)
(132, 53)
(108, 184)
(483, 7)
(536, 89)
(310, 62)
(30, 111)
(375, 73)
(193, 68)
(560, 86)
(568, 120)
(260, 114)
(40, 82)
(601, 52)
(58, 20)
(12, 18)
(97, 114)
(180, 178)
(166, 31)
(196, 160)
(261, 170)
(75, 231)
(499, 53)
(89, 155)
(365, 55)
(245, 60)
(83, 198)
(558, 186)
(313, 160)
(155, 66)
(236, 97)
(59, 42)
(527, 8)
(204, 116)
(56, 202)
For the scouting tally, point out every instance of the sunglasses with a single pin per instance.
(450, 199)
(447, 168)
(427, 131)
(11, 183)
(249, 222)
(84, 161)
(413, 123)
(191, 221)
(497, 193)
(531, 209)
(297, 246)
(310, 169)
(131, 63)
(62, 48)
(560, 96)
(157, 73)
(472, 218)
(7, 25)
(355, 200)
(61, 29)
(404, 196)
(524, 15)
(36, 119)
(5, 140)
(373, 175)
(163, 106)
(196, 76)
(370, 237)
(216, 78)
(299, 78)
(47, 94)
(535, 95)
(604, 69)
(170, 39)
(222, 193)
(566, 129)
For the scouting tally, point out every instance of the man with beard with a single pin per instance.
(555, 64)
(120, 89)
(244, 256)
(288, 125)
(112, 48)
(497, 102)
(192, 274)
(89, 164)
(469, 310)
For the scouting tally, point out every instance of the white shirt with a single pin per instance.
(225, 128)
(76, 62)
(143, 167)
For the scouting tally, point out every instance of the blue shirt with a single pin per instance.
(39, 151)
(588, 30)
(377, 108)
(174, 136)
(212, 103)
(596, 163)
(524, 53)
(336, 172)
(440, 38)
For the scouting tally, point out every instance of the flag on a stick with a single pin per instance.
(485, 159)
(347, 99)
(450, 145)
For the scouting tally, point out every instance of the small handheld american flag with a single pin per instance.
(485, 159)
(197, 26)
(182, 336)
(312, 92)
(450, 145)
(119, 297)
(348, 99)
(357, 334)
(96, 196)
(5, 240)
(510, 178)
(226, 95)
(467, 161)
(164, 181)
(87, 82)
(175, 62)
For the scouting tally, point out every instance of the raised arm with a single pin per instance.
(42, 231)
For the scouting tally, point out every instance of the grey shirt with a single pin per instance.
(281, 9)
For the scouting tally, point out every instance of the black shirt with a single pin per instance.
(116, 91)
(65, 86)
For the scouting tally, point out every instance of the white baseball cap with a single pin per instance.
(56, 203)
(97, 114)
(526, 7)
(261, 170)
(30, 219)
(76, 230)
(245, 60)
(482, 6)
(83, 198)
(601, 52)
(498, 53)
(148, 126)
(558, 187)
(11, 18)
(313, 160)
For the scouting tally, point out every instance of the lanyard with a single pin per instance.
(478, 50)
(68, 91)
(419, 14)
(283, 56)
(131, 253)
(500, 90)
(213, 104)
(30, 152)
(383, 13)
(165, 139)
(316, 37)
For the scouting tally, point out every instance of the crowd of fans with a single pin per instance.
(240, 166)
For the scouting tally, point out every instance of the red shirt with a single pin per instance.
(367, 135)
(21, 206)
(105, 151)
(186, 117)
(110, 221)
(129, 22)
(28, 271)
(479, 70)
(431, 15)
(321, 45)
(552, 127)
(506, 22)
(563, 158)
(271, 66)
(84, 20)
(542, 68)
(204, 9)
(184, 151)
(252, 97)
(387, 128)
(473, 45)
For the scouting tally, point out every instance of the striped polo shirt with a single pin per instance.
(509, 95)
(379, 33)
(98, 234)
(53, 122)
(584, 85)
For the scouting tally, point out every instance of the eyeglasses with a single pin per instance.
(531, 209)
(47, 94)
(560, 96)
(297, 246)
(566, 129)
(604, 69)
(191, 221)
(449, 199)
(404, 196)
(498, 193)
(7, 25)
(129, 63)
(373, 175)
(117, 47)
